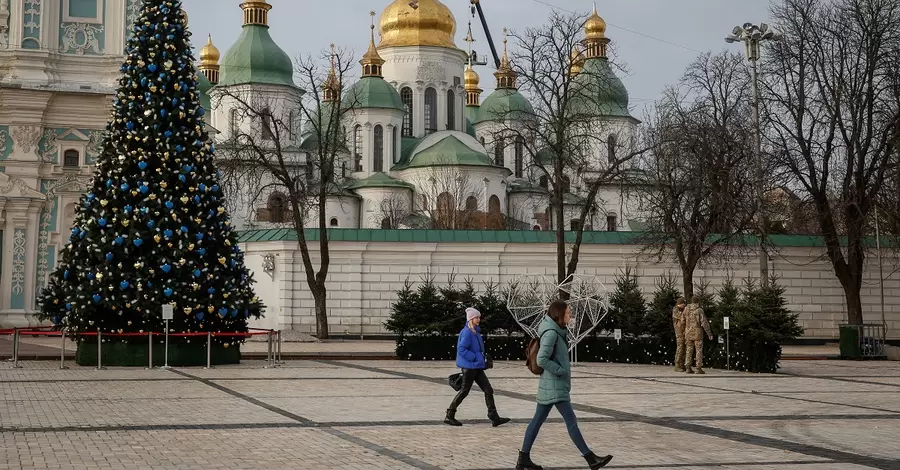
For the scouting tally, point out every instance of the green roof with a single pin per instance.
(255, 58)
(487, 236)
(471, 116)
(599, 91)
(446, 148)
(373, 92)
(379, 180)
(203, 87)
(505, 104)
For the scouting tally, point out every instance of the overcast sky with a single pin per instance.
(655, 39)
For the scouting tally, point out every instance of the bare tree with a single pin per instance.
(450, 197)
(695, 188)
(393, 212)
(575, 134)
(261, 156)
(831, 98)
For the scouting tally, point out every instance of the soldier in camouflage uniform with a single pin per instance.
(695, 324)
(678, 322)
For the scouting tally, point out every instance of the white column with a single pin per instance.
(368, 147)
(441, 121)
(31, 245)
(418, 111)
(114, 25)
(50, 21)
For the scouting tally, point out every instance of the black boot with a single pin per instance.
(525, 463)
(597, 462)
(496, 420)
(451, 418)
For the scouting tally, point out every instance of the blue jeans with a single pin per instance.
(568, 414)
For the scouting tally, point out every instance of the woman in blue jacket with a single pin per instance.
(470, 358)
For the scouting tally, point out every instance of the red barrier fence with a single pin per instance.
(273, 353)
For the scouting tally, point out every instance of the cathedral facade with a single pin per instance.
(424, 148)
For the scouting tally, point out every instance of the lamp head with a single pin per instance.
(737, 31)
(731, 39)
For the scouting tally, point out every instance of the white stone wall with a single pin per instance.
(364, 278)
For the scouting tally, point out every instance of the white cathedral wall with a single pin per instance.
(481, 182)
(365, 276)
(422, 67)
(231, 104)
(368, 119)
(381, 203)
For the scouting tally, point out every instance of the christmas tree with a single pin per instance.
(153, 229)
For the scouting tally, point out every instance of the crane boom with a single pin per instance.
(487, 32)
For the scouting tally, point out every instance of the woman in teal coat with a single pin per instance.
(554, 387)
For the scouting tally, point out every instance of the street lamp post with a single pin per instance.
(752, 35)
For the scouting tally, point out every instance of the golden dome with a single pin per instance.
(209, 55)
(595, 26)
(576, 61)
(430, 23)
(471, 78)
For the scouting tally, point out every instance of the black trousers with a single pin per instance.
(473, 376)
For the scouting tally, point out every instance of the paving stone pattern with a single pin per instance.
(826, 415)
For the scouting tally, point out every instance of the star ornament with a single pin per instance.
(530, 297)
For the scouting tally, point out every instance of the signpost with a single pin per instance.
(618, 334)
(727, 325)
(168, 313)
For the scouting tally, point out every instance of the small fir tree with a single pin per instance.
(728, 304)
(495, 316)
(153, 228)
(628, 308)
(659, 315)
(763, 316)
(431, 311)
(403, 311)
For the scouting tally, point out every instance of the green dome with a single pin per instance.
(446, 148)
(203, 87)
(602, 91)
(504, 104)
(471, 116)
(379, 180)
(255, 58)
(373, 92)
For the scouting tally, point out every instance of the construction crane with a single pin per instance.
(476, 9)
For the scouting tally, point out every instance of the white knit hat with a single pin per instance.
(472, 313)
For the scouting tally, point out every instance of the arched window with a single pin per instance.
(472, 203)
(494, 205)
(277, 208)
(445, 209)
(520, 158)
(424, 202)
(386, 223)
(536, 228)
(565, 183)
(232, 123)
(612, 224)
(482, 141)
(357, 147)
(451, 110)
(611, 143)
(378, 153)
(499, 148)
(575, 225)
(333, 222)
(430, 111)
(291, 126)
(394, 144)
(71, 158)
(543, 182)
(407, 97)
(267, 132)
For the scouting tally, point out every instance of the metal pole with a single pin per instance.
(278, 360)
(880, 276)
(209, 350)
(16, 348)
(150, 351)
(727, 349)
(62, 350)
(270, 352)
(760, 171)
(166, 365)
(99, 350)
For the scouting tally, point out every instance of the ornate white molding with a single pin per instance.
(87, 33)
(27, 137)
(50, 149)
(18, 265)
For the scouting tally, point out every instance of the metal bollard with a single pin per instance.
(208, 350)
(269, 350)
(279, 361)
(150, 351)
(62, 351)
(99, 350)
(16, 348)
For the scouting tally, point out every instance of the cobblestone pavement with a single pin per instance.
(825, 415)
